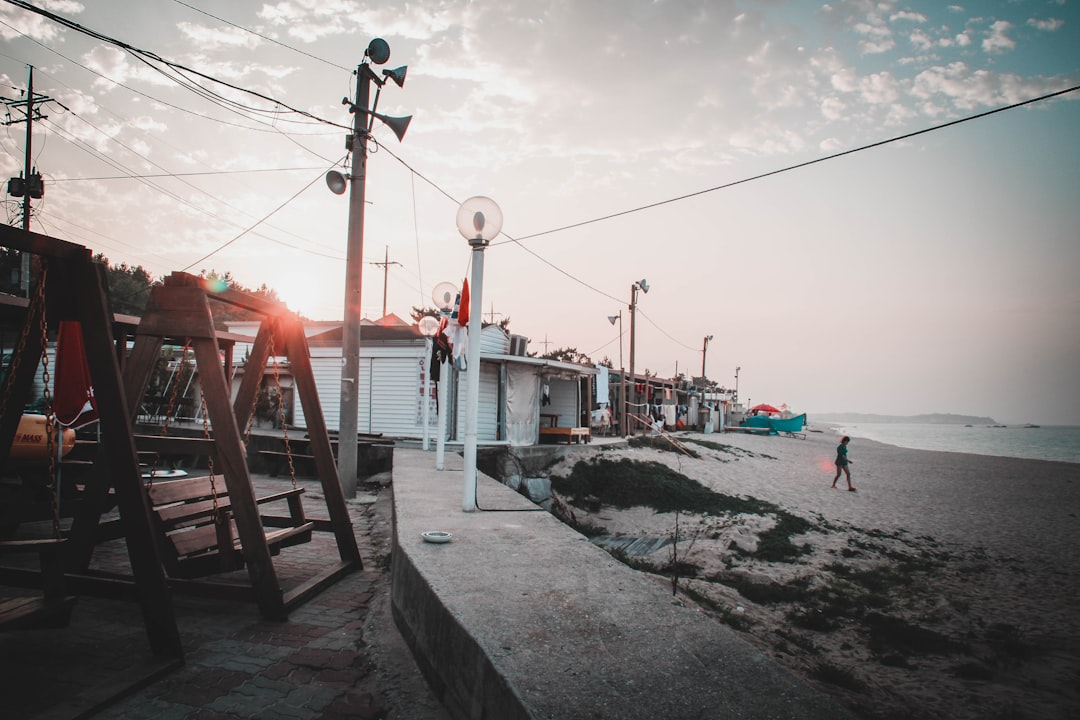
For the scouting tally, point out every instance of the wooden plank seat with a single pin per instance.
(195, 544)
(50, 609)
(571, 434)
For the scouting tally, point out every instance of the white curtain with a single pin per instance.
(602, 385)
(522, 405)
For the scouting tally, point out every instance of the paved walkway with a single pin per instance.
(339, 656)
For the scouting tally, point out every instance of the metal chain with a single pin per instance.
(210, 457)
(170, 408)
(281, 413)
(50, 417)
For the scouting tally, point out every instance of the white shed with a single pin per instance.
(393, 362)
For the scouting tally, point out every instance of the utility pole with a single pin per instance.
(385, 264)
(29, 184)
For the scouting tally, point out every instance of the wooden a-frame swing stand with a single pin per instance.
(75, 290)
(178, 310)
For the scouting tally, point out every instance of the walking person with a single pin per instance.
(842, 463)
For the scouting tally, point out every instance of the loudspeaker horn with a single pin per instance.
(398, 124)
(336, 182)
(397, 75)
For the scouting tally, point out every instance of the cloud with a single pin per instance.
(905, 15)
(921, 40)
(18, 22)
(997, 41)
(207, 38)
(115, 65)
(877, 37)
(830, 145)
(1049, 25)
(833, 108)
(969, 89)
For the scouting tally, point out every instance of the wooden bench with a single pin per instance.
(574, 434)
(195, 544)
(51, 609)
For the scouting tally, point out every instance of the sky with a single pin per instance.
(688, 144)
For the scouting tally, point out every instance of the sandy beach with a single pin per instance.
(944, 587)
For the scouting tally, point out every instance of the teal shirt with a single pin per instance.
(841, 455)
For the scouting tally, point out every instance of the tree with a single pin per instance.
(570, 355)
(418, 313)
(224, 312)
(129, 286)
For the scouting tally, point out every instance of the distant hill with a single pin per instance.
(930, 419)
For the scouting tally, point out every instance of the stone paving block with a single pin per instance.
(354, 706)
(201, 686)
(291, 634)
(142, 709)
(252, 699)
(240, 656)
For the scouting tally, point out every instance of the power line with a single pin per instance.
(799, 165)
(260, 35)
(256, 224)
(147, 56)
(189, 174)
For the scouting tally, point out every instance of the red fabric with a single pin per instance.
(73, 393)
(463, 309)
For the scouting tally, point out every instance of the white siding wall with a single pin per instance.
(494, 341)
(395, 387)
(327, 372)
(487, 427)
(564, 402)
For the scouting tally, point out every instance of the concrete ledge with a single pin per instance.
(521, 617)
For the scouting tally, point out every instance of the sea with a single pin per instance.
(1046, 442)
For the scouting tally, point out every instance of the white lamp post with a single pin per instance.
(443, 296)
(428, 327)
(704, 349)
(479, 221)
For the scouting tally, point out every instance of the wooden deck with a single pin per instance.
(571, 435)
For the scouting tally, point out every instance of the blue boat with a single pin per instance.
(788, 425)
(775, 425)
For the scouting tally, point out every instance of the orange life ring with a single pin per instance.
(30, 443)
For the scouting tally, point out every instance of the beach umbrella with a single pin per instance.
(764, 408)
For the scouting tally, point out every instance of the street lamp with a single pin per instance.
(428, 327)
(644, 287)
(443, 295)
(479, 221)
(622, 377)
(377, 52)
(737, 369)
(704, 349)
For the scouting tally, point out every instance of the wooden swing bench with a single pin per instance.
(196, 544)
(51, 609)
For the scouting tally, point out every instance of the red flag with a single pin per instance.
(73, 395)
(463, 308)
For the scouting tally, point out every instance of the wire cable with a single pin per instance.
(798, 166)
(260, 35)
(256, 224)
